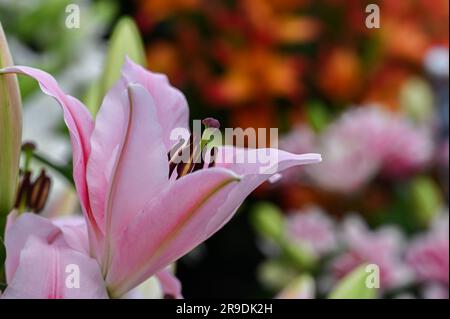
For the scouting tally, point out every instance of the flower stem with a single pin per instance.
(64, 170)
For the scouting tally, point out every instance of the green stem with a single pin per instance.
(2, 259)
(28, 156)
(64, 170)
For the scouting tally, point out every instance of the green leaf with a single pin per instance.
(10, 132)
(125, 41)
(354, 286)
(318, 116)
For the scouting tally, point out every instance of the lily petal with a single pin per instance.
(79, 123)
(67, 233)
(74, 231)
(105, 140)
(255, 166)
(171, 105)
(42, 274)
(170, 284)
(140, 168)
(149, 289)
(171, 225)
(127, 154)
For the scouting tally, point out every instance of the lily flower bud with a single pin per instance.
(10, 132)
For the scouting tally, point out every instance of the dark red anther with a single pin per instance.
(195, 148)
(28, 146)
(39, 191)
(174, 154)
(197, 166)
(211, 122)
(32, 196)
(24, 186)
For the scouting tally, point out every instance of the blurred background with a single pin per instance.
(373, 101)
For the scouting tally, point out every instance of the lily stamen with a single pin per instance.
(32, 196)
(197, 149)
(38, 195)
(174, 154)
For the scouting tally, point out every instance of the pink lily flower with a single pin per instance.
(140, 219)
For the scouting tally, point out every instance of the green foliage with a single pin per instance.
(318, 116)
(426, 200)
(268, 220)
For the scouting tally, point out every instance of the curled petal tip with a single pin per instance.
(314, 157)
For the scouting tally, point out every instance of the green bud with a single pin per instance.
(416, 100)
(125, 41)
(426, 199)
(300, 256)
(268, 220)
(275, 275)
(302, 287)
(354, 286)
(10, 133)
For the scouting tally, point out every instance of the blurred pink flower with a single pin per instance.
(312, 229)
(365, 141)
(382, 247)
(301, 139)
(405, 149)
(442, 155)
(435, 291)
(428, 254)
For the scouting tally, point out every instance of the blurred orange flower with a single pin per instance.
(256, 73)
(339, 74)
